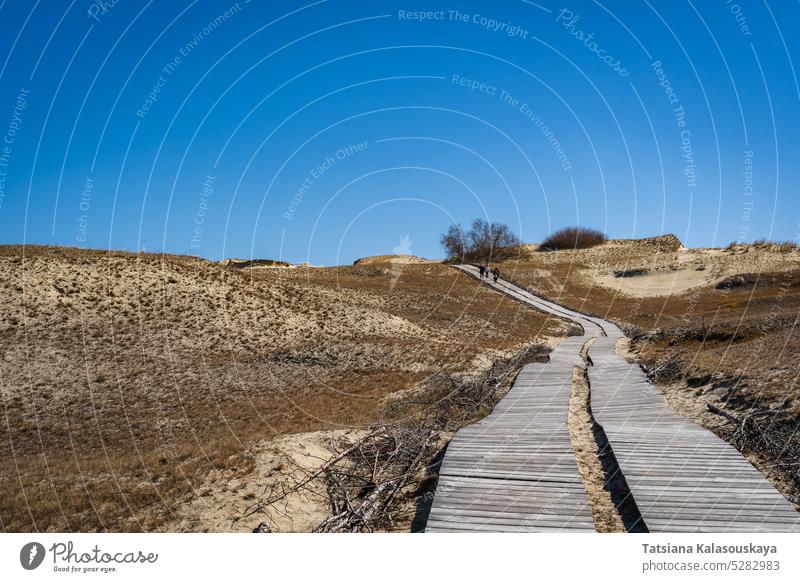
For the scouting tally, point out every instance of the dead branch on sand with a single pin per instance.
(362, 489)
(762, 431)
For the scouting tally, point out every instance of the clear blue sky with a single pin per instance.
(229, 129)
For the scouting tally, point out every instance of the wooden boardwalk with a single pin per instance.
(683, 477)
(515, 469)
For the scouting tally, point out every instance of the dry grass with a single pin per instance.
(127, 379)
(786, 246)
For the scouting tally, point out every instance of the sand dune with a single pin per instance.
(130, 380)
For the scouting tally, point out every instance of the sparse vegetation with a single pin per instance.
(786, 246)
(484, 242)
(736, 281)
(131, 382)
(572, 237)
(128, 381)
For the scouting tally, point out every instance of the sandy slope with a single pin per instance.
(673, 271)
(127, 379)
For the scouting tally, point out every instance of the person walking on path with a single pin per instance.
(483, 270)
(496, 273)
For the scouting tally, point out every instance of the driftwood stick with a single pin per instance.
(719, 412)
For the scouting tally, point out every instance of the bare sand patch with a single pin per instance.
(652, 268)
(658, 283)
(223, 501)
(396, 259)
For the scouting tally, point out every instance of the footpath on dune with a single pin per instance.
(514, 470)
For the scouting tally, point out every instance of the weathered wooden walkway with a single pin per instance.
(515, 469)
(683, 477)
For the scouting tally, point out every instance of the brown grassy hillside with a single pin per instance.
(126, 378)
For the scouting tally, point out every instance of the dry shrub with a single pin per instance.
(573, 237)
(736, 281)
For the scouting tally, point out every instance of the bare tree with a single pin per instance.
(484, 241)
(454, 243)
